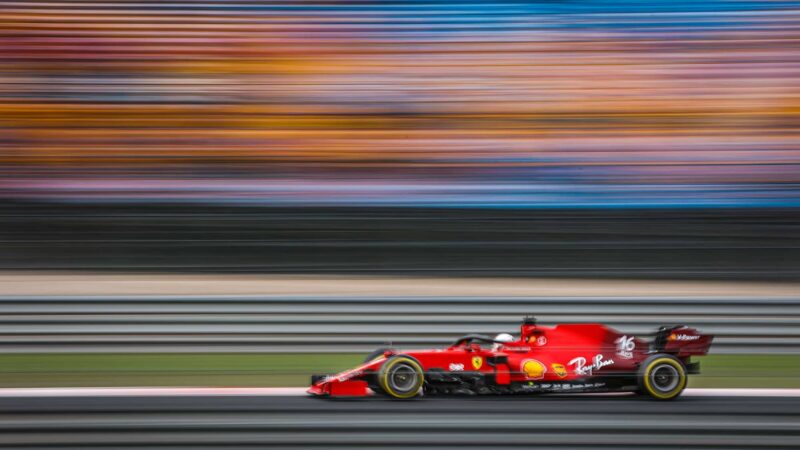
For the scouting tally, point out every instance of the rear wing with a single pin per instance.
(681, 341)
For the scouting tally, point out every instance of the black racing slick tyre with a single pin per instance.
(401, 377)
(662, 377)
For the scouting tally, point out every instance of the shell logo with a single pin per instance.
(533, 369)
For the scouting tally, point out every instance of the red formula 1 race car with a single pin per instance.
(565, 358)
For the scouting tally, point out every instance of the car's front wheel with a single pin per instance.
(372, 380)
(401, 377)
(662, 377)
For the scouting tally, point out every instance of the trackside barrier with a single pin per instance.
(337, 324)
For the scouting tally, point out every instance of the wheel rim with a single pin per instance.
(665, 377)
(402, 378)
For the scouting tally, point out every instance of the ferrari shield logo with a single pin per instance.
(559, 370)
(477, 362)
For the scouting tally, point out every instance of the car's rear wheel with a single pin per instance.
(401, 377)
(662, 377)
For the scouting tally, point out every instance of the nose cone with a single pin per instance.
(316, 389)
(319, 385)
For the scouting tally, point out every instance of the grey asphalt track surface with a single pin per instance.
(563, 422)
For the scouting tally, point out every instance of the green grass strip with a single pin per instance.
(249, 369)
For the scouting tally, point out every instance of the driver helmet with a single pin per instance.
(501, 339)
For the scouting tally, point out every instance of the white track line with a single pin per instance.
(150, 392)
(742, 392)
(294, 392)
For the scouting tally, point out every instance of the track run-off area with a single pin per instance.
(287, 418)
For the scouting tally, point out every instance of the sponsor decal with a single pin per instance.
(560, 387)
(537, 340)
(559, 370)
(683, 337)
(625, 346)
(582, 368)
(344, 376)
(455, 367)
(533, 369)
(477, 362)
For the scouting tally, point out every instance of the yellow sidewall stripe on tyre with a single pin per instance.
(676, 390)
(384, 381)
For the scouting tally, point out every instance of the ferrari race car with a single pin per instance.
(565, 358)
